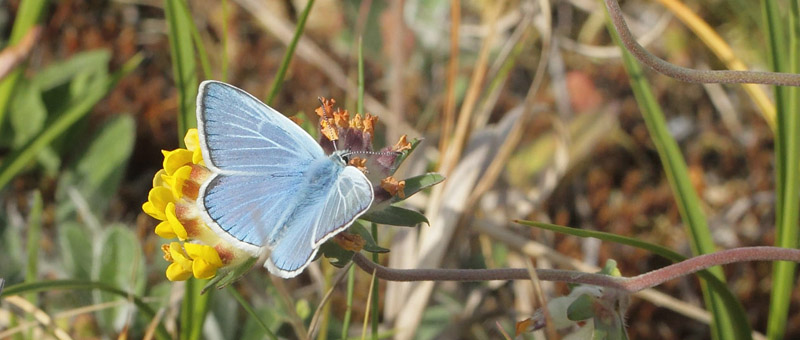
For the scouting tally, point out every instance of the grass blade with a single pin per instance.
(277, 83)
(351, 276)
(34, 287)
(29, 13)
(250, 311)
(730, 301)
(787, 182)
(723, 325)
(375, 293)
(34, 236)
(200, 48)
(184, 66)
(194, 309)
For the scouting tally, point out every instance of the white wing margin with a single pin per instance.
(349, 198)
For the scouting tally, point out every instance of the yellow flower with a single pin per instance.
(181, 267)
(192, 141)
(177, 180)
(198, 260)
(172, 201)
(175, 159)
(157, 201)
(205, 260)
(172, 227)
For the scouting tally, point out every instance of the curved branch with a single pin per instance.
(692, 75)
(631, 285)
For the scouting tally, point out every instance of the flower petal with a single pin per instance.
(204, 252)
(178, 179)
(177, 226)
(203, 270)
(157, 201)
(175, 159)
(179, 256)
(158, 181)
(164, 229)
(197, 157)
(176, 272)
(192, 139)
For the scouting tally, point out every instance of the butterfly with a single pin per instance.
(271, 185)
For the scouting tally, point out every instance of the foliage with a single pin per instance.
(517, 113)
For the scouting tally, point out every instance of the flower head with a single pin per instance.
(341, 131)
(199, 252)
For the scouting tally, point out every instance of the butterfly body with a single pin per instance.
(272, 186)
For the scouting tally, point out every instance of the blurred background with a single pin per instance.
(525, 106)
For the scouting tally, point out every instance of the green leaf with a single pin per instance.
(94, 62)
(369, 243)
(335, 254)
(581, 308)
(27, 114)
(418, 183)
(76, 250)
(101, 168)
(611, 268)
(18, 160)
(225, 279)
(121, 265)
(403, 155)
(397, 216)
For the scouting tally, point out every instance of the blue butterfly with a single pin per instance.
(272, 186)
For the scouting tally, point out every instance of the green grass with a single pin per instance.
(727, 323)
(782, 42)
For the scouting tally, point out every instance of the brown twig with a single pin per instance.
(629, 284)
(12, 56)
(687, 74)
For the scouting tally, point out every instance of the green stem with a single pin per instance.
(277, 83)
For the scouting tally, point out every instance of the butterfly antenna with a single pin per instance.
(328, 126)
(373, 153)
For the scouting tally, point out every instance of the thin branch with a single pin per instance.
(630, 285)
(692, 75)
(12, 56)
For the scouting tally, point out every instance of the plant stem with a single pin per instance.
(629, 284)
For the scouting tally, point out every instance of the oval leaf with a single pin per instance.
(396, 216)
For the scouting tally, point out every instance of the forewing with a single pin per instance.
(240, 134)
(257, 157)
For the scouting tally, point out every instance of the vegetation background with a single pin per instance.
(529, 112)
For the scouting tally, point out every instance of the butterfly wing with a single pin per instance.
(349, 198)
(256, 156)
(344, 198)
(240, 134)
